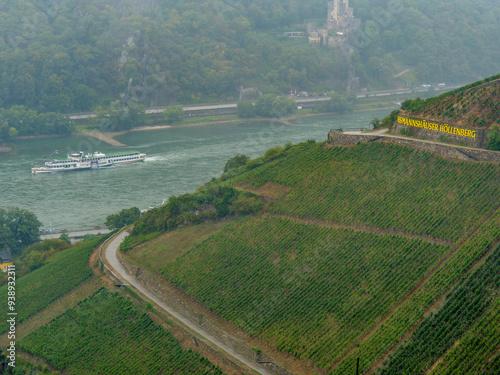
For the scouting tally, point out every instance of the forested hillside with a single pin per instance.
(439, 41)
(364, 251)
(70, 55)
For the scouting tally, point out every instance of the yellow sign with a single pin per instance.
(436, 127)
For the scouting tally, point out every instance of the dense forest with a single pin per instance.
(71, 56)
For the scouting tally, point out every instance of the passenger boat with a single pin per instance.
(79, 161)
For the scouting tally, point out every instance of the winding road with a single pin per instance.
(119, 271)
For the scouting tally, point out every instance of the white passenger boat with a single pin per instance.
(79, 161)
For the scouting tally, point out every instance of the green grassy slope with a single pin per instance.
(155, 254)
(105, 334)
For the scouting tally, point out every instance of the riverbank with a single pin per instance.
(5, 149)
(109, 137)
(86, 129)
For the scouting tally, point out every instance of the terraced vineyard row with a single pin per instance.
(63, 272)
(437, 334)
(105, 334)
(483, 339)
(310, 291)
(381, 186)
(412, 310)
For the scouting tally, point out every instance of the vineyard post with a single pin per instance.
(357, 367)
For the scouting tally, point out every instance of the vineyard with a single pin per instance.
(63, 272)
(483, 339)
(463, 307)
(419, 305)
(105, 334)
(475, 105)
(155, 254)
(353, 255)
(382, 186)
(318, 289)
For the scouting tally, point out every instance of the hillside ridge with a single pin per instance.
(336, 224)
(473, 107)
(468, 116)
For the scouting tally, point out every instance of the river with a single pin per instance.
(178, 161)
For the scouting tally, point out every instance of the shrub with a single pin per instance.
(273, 153)
(494, 139)
(235, 162)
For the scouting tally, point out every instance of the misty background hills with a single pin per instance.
(71, 56)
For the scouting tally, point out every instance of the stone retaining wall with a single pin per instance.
(450, 151)
(154, 286)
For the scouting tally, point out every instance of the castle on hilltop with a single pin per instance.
(340, 23)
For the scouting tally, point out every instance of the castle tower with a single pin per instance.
(333, 14)
(340, 16)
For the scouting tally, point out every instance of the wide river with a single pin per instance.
(178, 161)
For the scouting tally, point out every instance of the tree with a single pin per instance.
(13, 132)
(337, 103)
(283, 106)
(494, 138)
(120, 115)
(375, 123)
(272, 106)
(273, 153)
(389, 121)
(245, 109)
(34, 260)
(264, 105)
(18, 229)
(174, 113)
(88, 237)
(352, 97)
(33, 256)
(47, 246)
(123, 218)
(64, 237)
(235, 162)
